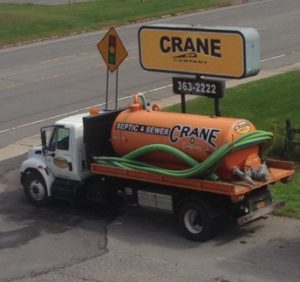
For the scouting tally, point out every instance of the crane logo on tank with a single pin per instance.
(189, 48)
(208, 135)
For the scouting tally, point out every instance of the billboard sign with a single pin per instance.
(218, 52)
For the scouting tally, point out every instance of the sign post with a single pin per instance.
(113, 53)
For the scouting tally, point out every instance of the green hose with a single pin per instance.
(203, 169)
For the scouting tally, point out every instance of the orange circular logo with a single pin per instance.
(60, 162)
(242, 126)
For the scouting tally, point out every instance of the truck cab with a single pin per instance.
(58, 162)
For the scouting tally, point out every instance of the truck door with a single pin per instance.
(58, 156)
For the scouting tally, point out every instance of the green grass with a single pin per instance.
(290, 193)
(19, 23)
(266, 103)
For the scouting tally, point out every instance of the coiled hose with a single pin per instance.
(203, 169)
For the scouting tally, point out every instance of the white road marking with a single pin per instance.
(99, 105)
(78, 111)
(156, 89)
(49, 118)
(58, 59)
(273, 58)
(98, 65)
(53, 76)
(292, 35)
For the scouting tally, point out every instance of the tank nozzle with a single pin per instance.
(261, 174)
(243, 175)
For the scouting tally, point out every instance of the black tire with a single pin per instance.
(35, 189)
(195, 221)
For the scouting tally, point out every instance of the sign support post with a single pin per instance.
(117, 86)
(107, 84)
(183, 103)
(217, 107)
(217, 98)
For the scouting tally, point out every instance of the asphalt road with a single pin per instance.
(103, 243)
(45, 79)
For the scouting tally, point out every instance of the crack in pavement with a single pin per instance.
(103, 248)
(27, 224)
(58, 269)
(79, 277)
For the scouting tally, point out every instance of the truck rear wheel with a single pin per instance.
(35, 189)
(195, 221)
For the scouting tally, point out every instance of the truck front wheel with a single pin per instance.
(195, 221)
(35, 189)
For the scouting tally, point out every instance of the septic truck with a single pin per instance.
(203, 169)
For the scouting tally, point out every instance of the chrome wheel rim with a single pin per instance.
(192, 221)
(36, 190)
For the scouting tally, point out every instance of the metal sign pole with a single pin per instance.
(217, 107)
(117, 86)
(107, 82)
(183, 103)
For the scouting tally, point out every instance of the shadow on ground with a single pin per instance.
(39, 239)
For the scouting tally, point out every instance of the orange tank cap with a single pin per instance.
(135, 107)
(156, 107)
(136, 99)
(94, 111)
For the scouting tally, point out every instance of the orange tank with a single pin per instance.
(196, 135)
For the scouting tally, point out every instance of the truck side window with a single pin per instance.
(60, 139)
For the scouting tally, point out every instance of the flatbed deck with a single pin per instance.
(279, 171)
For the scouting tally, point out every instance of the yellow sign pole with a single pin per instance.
(107, 86)
(117, 86)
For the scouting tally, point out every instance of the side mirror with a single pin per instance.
(44, 141)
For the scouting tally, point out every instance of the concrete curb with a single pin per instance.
(22, 146)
